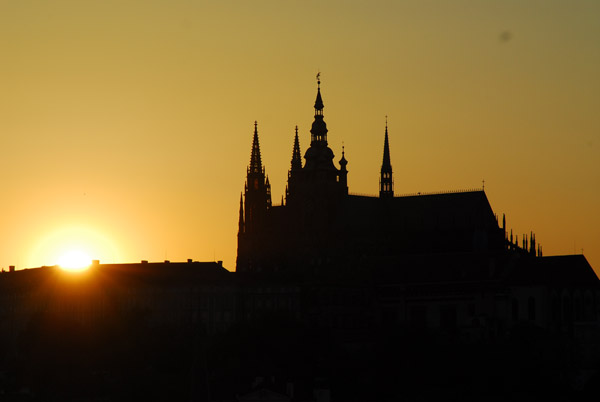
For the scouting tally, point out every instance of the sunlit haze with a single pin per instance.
(74, 260)
(73, 247)
(126, 125)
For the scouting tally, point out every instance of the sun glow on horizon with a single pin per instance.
(73, 249)
(75, 260)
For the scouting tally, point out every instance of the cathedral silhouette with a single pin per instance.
(335, 297)
(437, 262)
(320, 225)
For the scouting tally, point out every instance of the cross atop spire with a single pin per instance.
(255, 160)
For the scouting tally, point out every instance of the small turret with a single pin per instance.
(343, 171)
(268, 192)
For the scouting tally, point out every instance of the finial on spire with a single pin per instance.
(319, 101)
(343, 161)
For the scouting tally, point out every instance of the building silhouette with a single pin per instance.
(440, 264)
(320, 223)
(335, 297)
(430, 260)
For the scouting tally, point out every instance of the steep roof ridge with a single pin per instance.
(469, 190)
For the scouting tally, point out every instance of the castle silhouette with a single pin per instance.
(320, 224)
(335, 297)
(424, 264)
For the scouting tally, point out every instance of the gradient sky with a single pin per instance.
(126, 126)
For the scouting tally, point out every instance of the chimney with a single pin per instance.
(220, 263)
(11, 268)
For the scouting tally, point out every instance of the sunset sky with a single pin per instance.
(126, 126)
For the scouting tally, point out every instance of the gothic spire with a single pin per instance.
(387, 164)
(296, 156)
(255, 161)
(386, 182)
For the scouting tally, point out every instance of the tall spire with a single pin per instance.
(386, 182)
(319, 128)
(296, 156)
(255, 161)
(257, 188)
(387, 165)
(253, 208)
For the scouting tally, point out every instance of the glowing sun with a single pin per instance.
(75, 260)
(72, 248)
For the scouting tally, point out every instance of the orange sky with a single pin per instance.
(126, 125)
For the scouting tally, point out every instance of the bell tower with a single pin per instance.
(319, 168)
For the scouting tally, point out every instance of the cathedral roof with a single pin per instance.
(451, 222)
(469, 208)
